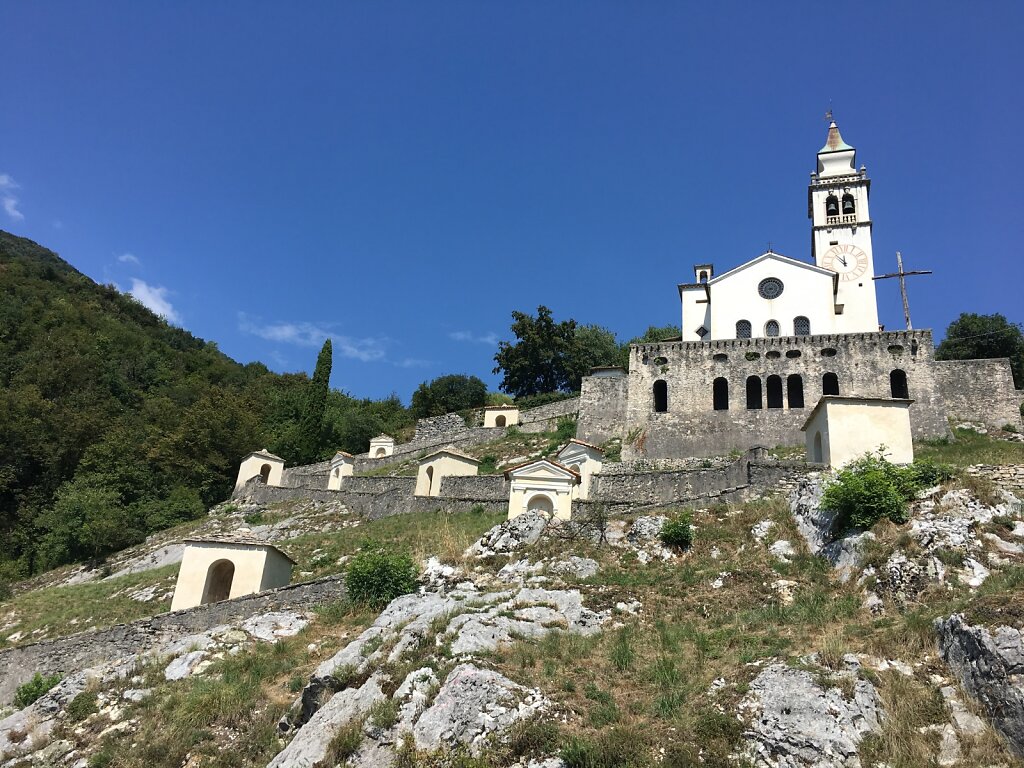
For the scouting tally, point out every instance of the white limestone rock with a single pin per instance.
(783, 550)
(521, 531)
(578, 567)
(472, 704)
(271, 627)
(184, 665)
(794, 723)
(761, 529)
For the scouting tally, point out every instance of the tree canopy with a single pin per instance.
(446, 394)
(975, 337)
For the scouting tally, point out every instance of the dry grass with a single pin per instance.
(969, 447)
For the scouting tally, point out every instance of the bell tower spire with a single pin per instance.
(837, 205)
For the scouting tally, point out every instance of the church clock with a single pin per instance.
(849, 261)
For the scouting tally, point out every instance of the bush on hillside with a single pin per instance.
(871, 489)
(376, 577)
(34, 689)
(677, 531)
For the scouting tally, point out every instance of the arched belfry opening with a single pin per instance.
(720, 393)
(218, 581)
(660, 390)
(754, 399)
(831, 205)
(774, 391)
(795, 390)
(849, 206)
(265, 473)
(830, 384)
(898, 384)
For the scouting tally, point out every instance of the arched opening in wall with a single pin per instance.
(774, 387)
(265, 473)
(771, 328)
(380, 454)
(575, 468)
(818, 456)
(218, 581)
(848, 205)
(720, 393)
(430, 480)
(830, 384)
(754, 393)
(795, 390)
(898, 384)
(499, 421)
(801, 326)
(337, 472)
(703, 277)
(660, 396)
(742, 329)
(541, 505)
(831, 205)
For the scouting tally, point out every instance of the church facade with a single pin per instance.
(763, 342)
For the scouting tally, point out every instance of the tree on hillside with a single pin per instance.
(592, 346)
(976, 337)
(656, 333)
(312, 422)
(445, 394)
(538, 361)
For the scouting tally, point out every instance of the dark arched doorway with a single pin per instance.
(265, 473)
(898, 384)
(218, 581)
(720, 393)
(754, 393)
(499, 421)
(830, 384)
(774, 391)
(660, 396)
(795, 390)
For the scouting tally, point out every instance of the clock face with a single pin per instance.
(849, 261)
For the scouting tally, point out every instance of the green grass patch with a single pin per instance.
(969, 447)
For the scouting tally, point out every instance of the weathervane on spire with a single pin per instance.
(828, 116)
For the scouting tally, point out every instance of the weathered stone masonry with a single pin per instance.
(75, 652)
(691, 398)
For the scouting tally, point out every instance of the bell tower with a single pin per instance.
(837, 205)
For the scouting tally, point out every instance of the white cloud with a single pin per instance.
(7, 197)
(154, 297)
(490, 339)
(129, 258)
(413, 362)
(305, 334)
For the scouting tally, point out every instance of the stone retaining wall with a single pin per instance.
(544, 418)
(76, 652)
(434, 428)
(1008, 476)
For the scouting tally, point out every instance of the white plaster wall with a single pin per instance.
(250, 566)
(589, 462)
(340, 469)
(381, 447)
(277, 571)
(443, 466)
(557, 490)
(804, 293)
(251, 466)
(491, 414)
(850, 430)
(695, 315)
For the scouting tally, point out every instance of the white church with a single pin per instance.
(774, 295)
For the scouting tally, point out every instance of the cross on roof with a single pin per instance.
(902, 275)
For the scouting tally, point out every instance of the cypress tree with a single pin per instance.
(311, 425)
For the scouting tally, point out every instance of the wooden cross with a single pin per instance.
(903, 284)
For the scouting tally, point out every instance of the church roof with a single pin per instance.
(834, 142)
(776, 257)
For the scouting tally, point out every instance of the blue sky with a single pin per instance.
(402, 176)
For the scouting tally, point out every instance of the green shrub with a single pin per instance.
(677, 530)
(6, 593)
(384, 714)
(870, 489)
(34, 689)
(377, 577)
(488, 465)
(566, 428)
(83, 705)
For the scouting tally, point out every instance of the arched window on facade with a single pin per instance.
(754, 393)
(430, 480)
(801, 326)
(898, 384)
(830, 384)
(660, 396)
(774, 391)
(743, 329)
(795, 390)
(831, 205)
(848, 205)
(720, 393)
(771, 328)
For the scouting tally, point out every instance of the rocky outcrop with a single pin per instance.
(794, 722)
(990, 667)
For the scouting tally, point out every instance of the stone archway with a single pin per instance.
(499, 421)
(218, 582)
(541, 505)
(380, 454)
